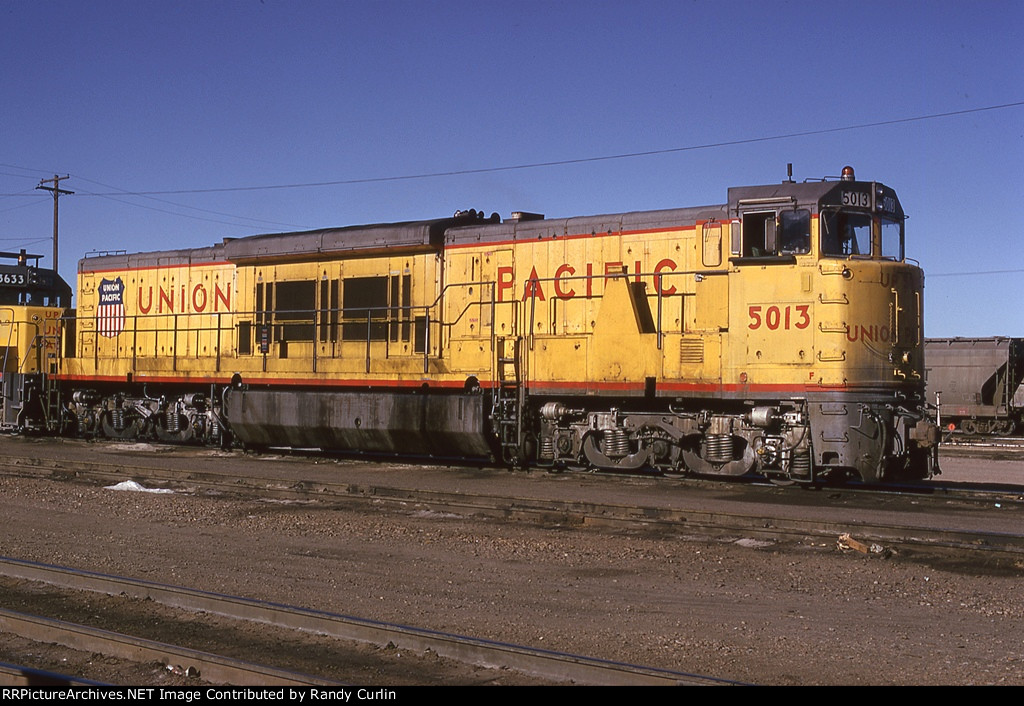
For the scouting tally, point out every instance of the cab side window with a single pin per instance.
(759, 234)
(773, 234)
(796, 232)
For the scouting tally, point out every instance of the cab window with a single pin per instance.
(892, 240)
(759, 234)
(844, 234)
(772, 234)
(796, 232)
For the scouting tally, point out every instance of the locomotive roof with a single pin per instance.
(540, 228)
(311, 244)
(159, 258)
(467, 227)
(364, 239)
(808, 195)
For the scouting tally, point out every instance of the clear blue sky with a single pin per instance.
(215, 94)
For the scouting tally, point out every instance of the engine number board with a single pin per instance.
(13, 277)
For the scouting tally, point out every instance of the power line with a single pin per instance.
(582, 160)
(123, 192)
(186, 215)
(27, 169)
(23, 204)
(24, 241)
(973, 274)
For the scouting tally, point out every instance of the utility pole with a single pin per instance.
(57, 191)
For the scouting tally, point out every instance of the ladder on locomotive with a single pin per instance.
(47, 350)
(52, 404)
(509, 398)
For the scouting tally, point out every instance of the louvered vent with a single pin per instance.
(691, 351)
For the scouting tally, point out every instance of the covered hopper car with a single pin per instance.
(976, 383)
(777, 333)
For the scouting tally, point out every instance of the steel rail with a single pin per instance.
(487, 653)
(19, 675)
(212, 668)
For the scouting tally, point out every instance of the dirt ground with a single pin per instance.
(736, 608)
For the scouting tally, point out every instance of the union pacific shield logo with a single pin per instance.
(110, 312)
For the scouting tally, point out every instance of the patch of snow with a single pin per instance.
(135, 487)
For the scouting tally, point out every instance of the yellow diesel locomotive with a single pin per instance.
(33, 302)
(779, 333)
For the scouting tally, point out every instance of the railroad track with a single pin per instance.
(212, 668)
(662, 519)
(964, 440)
(540, 663)
(21, 676)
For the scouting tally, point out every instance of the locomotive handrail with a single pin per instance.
(658, 290)
(452, 285)
(765, 200)
(173, 329)
(34, 343)
(826, 327)
(389, 315)
(895, 332)
(10, 335)
(431, 316)
(841, 299)
(919, 323)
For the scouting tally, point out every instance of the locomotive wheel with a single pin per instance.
(597, 459)
(178, 437)
(737, 467)
(132, 430)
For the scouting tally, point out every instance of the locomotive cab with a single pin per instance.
(831, 314)
(32, 304)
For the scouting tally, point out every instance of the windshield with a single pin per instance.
(892, 239)
(844, 233)
(848, 233)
